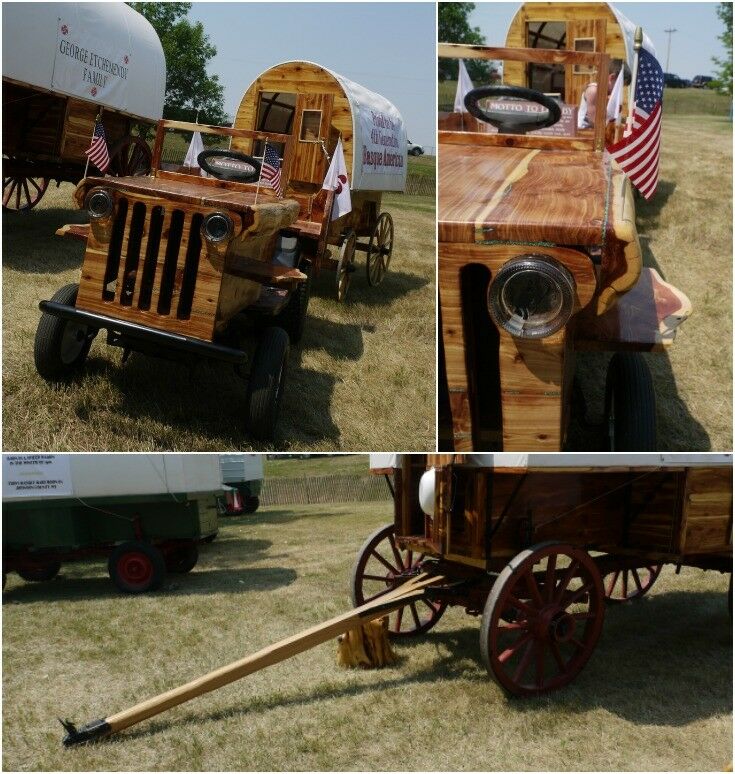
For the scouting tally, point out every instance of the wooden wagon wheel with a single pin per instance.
(22, 193)
(542, 619)
(130, 157)
(624, 585)
(379, 249)
(344, 265)
(381, 566)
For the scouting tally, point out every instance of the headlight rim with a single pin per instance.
(230, 227)
(550, 268)
(110, 203)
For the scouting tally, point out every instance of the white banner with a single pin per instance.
(36, 475)
(87, 65)
(381, 152)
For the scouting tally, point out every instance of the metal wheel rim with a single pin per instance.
(394, 563)
(73, 341)
(346, 257)
(630, 583)
(135, 569)
(544, 624)
(380, 249)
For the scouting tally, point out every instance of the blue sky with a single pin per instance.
(388, 48)
(692, 47)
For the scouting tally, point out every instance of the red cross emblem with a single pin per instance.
(341, 180)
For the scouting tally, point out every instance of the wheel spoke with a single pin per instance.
(539, 664)
(27, 192)
(34, 184)
(524, 662)
(625, 584)
(637, 580)
(550, 578)
(17, 196)
(569, 601)
(614, 580)
(556, 653)
(415, 614)
(510, 651)
(382, 578)
(533, 588)
(9, 193)
(399, 617)
(510, 625)
(396, 554)
(566, 580)
(518, 604)
(384, 562)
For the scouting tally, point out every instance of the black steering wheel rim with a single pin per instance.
(513, 124)
(229, 174)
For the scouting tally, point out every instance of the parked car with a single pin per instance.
(415, 150)
(702, 82)
(672, 81)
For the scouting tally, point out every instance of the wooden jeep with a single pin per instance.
(539, 257)
(175, 262)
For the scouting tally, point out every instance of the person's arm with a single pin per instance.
(590, 96)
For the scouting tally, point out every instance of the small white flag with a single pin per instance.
(196, 146)
(464, 86)
(336, 180)
(615, 100)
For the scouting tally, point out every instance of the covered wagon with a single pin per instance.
(64, 66)
(317, 107)
(582, 27)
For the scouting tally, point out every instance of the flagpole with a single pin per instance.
(96, 121)
(637, 45)
(257, 188)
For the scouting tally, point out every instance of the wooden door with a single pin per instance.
(587, 36)
(311, 128)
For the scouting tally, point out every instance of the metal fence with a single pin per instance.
(324, 489)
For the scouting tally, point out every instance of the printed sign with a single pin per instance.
(87, 66)
(37, 475)
(226, 164)
(382, 150)
(566, 126)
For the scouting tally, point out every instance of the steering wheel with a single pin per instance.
(513, 123)
(230, 165)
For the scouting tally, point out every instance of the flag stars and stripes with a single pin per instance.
(271, 169)
(97, 151)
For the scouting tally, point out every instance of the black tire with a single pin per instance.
(293, 317)
(41, 572)
(630, 404)
(136, 567)
(182, 559)
(59, 350)
(251, 505)
(266, 382)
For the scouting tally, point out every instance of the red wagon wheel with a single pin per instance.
(20, 192)
(380, 249)
(130, 157)
(344, 266)
(542, 619)
(624, 585)
(381, 566)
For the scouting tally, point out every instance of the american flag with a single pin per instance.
(638, 152)
(97, 151)
(271, 169)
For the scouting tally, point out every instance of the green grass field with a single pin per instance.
(332, 465)
(656, 695)
(362, 377)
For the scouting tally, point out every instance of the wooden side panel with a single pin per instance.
(299, 78)
(79, 125)
(707, 518)
(576, 81)
(309, 164)
(33, 122)
(531, 372)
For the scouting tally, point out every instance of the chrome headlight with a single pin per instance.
(217, 227)
(99, 203)
(532, 296)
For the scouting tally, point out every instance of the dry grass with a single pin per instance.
(686, 234)
(657, 694)
(363, 377)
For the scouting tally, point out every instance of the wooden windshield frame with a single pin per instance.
(599, 61)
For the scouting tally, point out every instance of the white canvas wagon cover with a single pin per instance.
(105, 53)
(601, 461)
(29, 477)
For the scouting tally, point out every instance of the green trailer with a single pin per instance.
(147, 514)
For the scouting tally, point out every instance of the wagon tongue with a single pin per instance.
(94, 730)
